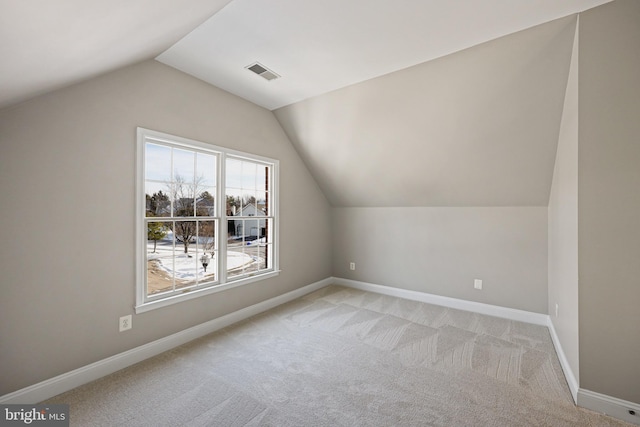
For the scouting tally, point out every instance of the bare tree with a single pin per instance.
(184, 205)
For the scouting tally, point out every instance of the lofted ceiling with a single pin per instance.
(320, 46)
(475, 128)
(45, 45)
(389, 103)
(315, 46)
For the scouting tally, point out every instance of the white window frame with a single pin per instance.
(143, 301)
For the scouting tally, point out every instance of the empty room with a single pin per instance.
(334, 213)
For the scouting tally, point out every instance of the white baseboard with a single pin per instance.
(65, 382)
(477, 307)
(608, 405)
(564, 362)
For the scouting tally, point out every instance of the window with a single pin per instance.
(206, 219)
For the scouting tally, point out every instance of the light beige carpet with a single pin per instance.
(343, 357)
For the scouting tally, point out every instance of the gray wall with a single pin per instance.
(609, 199)
(442, 250)
(478, 127)
(67, 190)
(563, 226)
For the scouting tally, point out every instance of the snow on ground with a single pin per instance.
(188, 267)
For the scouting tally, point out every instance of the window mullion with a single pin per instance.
(173, 257)
(172, 192)
(222, 214)
(196, 183)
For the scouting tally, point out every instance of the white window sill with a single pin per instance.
(152, 305)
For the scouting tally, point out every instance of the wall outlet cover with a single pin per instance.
(125, 323)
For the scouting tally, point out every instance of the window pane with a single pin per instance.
(265, 244)
(184, 206)
(158, 202)
(183, 198)
(183, 165)
(185, 234)
(236, 258)
(252, 231)
(205, 203)
(160, 252)
(262, 174)
(234, 173)
(255, 246)
(157, 162)
(234, 202)
(235, 230)
(261, 204)
(207, 251)
(186, 254)
(253, 251)
(206, 169)
(248, 175)
(249, 203)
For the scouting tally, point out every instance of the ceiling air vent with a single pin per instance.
(262, 71)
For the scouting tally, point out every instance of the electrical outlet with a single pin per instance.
(125, 323)
(477, 283)
(352, 266)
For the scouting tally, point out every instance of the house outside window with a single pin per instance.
(184, 250)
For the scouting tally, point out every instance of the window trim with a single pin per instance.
(143, 303)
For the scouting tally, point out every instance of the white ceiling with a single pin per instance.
(320, 46)
(317, 46)
(47, 44)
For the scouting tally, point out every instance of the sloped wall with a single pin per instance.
(478, 127)
(67, 190)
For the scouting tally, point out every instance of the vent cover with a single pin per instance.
(262, 71)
